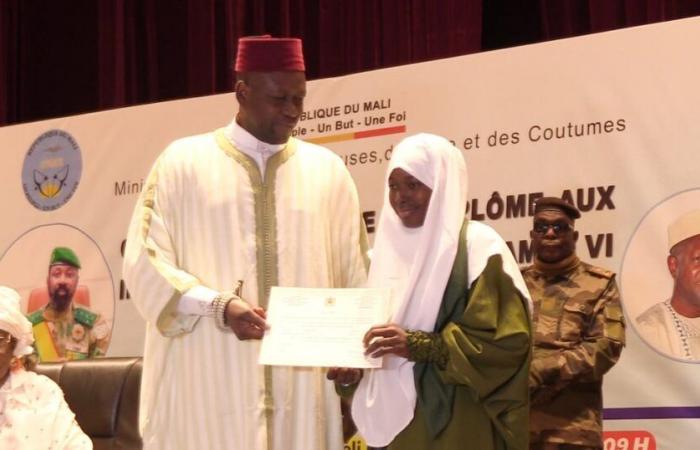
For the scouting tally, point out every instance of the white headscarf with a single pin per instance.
(13, 321)
(416, 264)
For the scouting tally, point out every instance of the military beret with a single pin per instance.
(64, 255)
(684, 227)
(546, 203)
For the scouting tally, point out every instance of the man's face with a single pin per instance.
(62, 283)
(271, 104)
(553, 236)
(684, 265)
(409, 198)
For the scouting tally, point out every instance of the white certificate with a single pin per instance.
(322, 327)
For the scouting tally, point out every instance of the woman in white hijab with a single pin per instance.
(456, 353)
(33, 412)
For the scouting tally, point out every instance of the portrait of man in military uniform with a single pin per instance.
(63, 329)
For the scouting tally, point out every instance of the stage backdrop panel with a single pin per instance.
(607, 120)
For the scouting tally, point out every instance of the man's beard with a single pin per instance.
(61, 297)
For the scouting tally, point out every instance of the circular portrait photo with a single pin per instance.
(660, 277)
(66, 289)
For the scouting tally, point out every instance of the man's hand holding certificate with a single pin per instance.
(322, 327)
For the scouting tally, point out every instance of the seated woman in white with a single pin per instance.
(33, 413)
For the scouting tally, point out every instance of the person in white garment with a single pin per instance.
(224, 216)
(672, 326)
(33, 412)
(456, 351)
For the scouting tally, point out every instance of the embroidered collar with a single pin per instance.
(249, 144)
(684, 330)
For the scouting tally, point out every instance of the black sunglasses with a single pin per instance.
(557, 227)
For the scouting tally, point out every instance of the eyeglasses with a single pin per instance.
(557, 227)
(6, 341)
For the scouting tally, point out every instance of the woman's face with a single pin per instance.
(7, 347)
(409, 198)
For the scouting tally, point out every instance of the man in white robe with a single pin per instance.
(673, 326)
(246, 205)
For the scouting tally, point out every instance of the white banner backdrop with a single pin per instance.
(608, 120)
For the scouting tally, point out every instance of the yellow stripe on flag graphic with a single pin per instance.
(44, 342)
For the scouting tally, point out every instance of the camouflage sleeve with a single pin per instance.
(591, 358)
(100, 337)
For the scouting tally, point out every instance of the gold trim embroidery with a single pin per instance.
(170, 322)
(265, 235)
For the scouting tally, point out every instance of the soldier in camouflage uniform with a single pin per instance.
(579, 333)
(62, 330)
